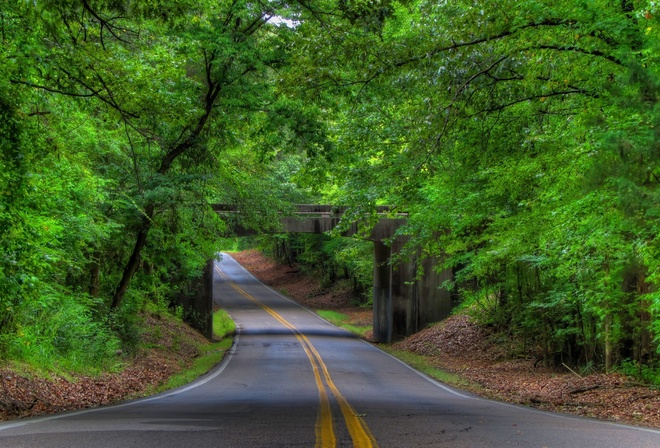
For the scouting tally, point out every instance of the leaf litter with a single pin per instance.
(171, 348)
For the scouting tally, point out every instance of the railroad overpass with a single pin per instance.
(403, 303)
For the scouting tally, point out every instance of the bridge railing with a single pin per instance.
(312, 210)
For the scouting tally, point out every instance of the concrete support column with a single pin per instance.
(405, 297)
(206, 308)
(396, 310)
(382, 293)
(435, 302)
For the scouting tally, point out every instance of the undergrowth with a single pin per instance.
(649, 374)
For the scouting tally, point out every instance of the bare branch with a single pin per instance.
(52, 90)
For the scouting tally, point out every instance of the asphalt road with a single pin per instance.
(294, 380)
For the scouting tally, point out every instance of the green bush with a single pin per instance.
(648, 373)
(59, 332)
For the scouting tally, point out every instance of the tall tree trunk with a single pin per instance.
(607, 321)
(165, 165)
(134, 260)
(545, 341)
(94, 274)
(608, 342)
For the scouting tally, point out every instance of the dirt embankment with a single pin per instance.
(171, 347)
(460, 346)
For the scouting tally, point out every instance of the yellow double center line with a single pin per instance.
(325, 435)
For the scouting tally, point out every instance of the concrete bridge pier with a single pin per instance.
(395, 298)
(383, 318)
(404, 304)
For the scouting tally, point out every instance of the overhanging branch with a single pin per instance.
(53, 90)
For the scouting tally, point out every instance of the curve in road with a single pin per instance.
(294, 380)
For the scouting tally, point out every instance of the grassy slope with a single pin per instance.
(171, 354)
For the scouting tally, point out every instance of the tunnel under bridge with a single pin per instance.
(402, 303)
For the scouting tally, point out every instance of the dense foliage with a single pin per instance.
(121, 122)
(521, 136)
(334, 261)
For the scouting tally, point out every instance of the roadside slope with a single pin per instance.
(168, 347)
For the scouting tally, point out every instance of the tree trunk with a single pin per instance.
(545, 341)
(94, 274)
(165, 165)
(134, 260)
(608, 342)
(645, 338)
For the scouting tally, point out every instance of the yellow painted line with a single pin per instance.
(357, 427)
(325, 435)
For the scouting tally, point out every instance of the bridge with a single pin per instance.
(402, 303)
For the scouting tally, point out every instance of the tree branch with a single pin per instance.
(105, 24)
(52, 90)
(534, 97)
(574, 49)
(503, 34)
(476, 75)
(109, 101)
(181, 147)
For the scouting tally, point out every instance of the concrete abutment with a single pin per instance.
(405, 299)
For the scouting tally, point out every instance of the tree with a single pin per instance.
(124, 122)
(521, 138)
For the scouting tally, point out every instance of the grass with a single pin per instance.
(423, 364)
(343, 321)
(210, 354)
(30, 371)
(223, 325)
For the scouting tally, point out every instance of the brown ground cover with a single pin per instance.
(475, 353)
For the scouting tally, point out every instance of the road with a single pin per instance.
(293, 380)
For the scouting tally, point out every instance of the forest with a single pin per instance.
(522, 137)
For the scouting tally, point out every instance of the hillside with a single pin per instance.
(168, 347)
